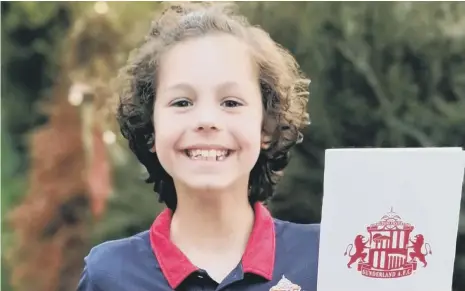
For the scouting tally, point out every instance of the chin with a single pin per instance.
(208, 184)
(210, 187)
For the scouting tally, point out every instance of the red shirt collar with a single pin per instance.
(258, 257)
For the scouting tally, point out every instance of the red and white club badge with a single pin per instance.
(390, 250)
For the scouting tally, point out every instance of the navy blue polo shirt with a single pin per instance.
(279, 256)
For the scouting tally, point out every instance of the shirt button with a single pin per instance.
(200, 276)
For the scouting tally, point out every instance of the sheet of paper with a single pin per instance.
(390, 219)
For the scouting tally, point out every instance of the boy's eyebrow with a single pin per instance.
(228, 85)
(182, 86)
(223, 86)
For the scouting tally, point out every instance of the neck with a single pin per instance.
(212, 221)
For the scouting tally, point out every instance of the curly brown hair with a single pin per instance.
(283, 87)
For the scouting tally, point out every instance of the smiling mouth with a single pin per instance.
(207, 155)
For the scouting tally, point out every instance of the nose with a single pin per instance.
(206, 125)
(207, 120)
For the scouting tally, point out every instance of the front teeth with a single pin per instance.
(217, 155)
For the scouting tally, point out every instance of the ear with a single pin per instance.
(153, 149)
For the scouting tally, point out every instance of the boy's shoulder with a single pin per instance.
(115, 250)
(290, 229)
(296, 238)
(110, 264)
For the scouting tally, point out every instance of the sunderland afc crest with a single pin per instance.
(390, 250)
(285, 285)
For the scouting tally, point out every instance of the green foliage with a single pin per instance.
(25, 14)
(29, 40)
(30, 45)
(23, 54)
(12, 189)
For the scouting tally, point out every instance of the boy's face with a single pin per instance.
(208, 113)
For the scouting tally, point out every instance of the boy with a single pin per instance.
(211, 107)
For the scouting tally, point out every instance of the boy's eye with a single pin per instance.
(181, 103)
(231, 103)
